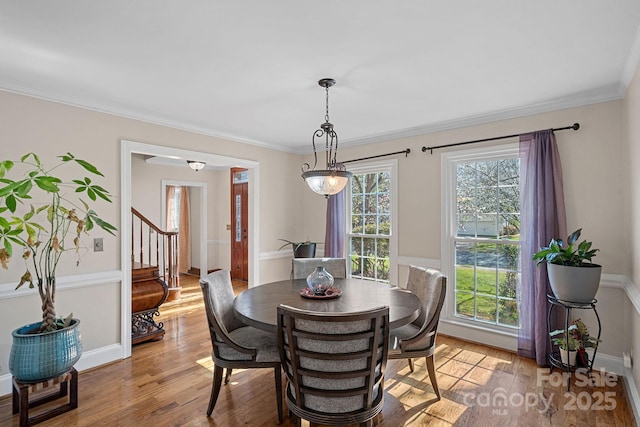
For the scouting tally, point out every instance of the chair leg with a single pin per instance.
(215, 389)
(432, 374)
(411, 364)
(278, 376)
(228, 375)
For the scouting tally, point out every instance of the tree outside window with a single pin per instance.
(370, 225)
(487, 215)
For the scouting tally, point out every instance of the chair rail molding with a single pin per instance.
(7, 290)
(420, 262)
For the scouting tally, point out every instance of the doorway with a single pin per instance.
(130, 147)
(240, 224)
(197, 220)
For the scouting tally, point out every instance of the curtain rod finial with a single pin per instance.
(424, 149)
(575, 126)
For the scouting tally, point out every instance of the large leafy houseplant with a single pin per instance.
(572, 274)
(571, 254)
(49, 224)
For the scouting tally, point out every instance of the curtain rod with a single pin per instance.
(405, 152)
(575, 126)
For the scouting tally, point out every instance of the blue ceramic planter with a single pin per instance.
(40, 356)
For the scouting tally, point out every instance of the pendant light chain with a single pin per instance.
(332, 179)
(326, 115)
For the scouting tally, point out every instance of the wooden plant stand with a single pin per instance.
(22, 405)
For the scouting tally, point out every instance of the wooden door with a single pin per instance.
(239, 224)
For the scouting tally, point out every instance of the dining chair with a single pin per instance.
(234, 344)
(302, 267)
(418, 339)
(334, 363)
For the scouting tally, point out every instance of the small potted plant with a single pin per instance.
(41, 221)
(573, 346)
(568, 345)
(572, 275)
(581, 333)
(306, 249)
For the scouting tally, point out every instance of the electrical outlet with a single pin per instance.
(626, 358)
(98, 245)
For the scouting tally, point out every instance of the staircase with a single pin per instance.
(154, 276)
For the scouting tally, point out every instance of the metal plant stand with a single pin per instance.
(554, 357)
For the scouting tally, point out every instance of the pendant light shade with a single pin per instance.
(326, 182)
(334, 177)
(195, 165)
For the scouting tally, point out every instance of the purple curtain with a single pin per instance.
(335, 226)
(543, 217)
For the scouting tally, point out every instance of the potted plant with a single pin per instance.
(572, 275)
(573, 346)
(41, 221)
(306, 249)
(568, 345)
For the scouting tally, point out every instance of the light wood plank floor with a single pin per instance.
(168, 383)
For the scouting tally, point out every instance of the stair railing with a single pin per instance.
(153, 247)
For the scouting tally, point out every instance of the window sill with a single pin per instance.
(474, 332)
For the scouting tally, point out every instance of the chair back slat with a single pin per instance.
(335, 363)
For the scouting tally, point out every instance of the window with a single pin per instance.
(370, 235)
(483, 247)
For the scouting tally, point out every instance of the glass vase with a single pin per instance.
(319, 281)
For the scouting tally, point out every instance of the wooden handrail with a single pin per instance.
(150, 224)
(165, 246)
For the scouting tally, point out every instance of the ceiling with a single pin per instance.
(247, 70)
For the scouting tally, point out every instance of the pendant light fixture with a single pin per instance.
(334, 177)
(196, 165)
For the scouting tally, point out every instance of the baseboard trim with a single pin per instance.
(609, 363)
(632, 393)
(89, 359)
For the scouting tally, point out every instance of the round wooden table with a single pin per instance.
(257, 306)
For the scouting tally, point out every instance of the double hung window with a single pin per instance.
(482, 245)
(371, 230)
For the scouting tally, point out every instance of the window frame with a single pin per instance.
(449, 162)
(373, 167)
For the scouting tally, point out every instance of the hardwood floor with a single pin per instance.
(167, 383)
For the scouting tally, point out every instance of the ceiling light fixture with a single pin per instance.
(334, 178)
(196, 165)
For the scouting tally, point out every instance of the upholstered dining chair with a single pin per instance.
(302, 267)
(334, 363)
(234, 344)
(418, 339)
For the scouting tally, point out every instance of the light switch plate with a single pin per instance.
(98, 245)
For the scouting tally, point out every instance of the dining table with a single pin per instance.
(257, 306)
